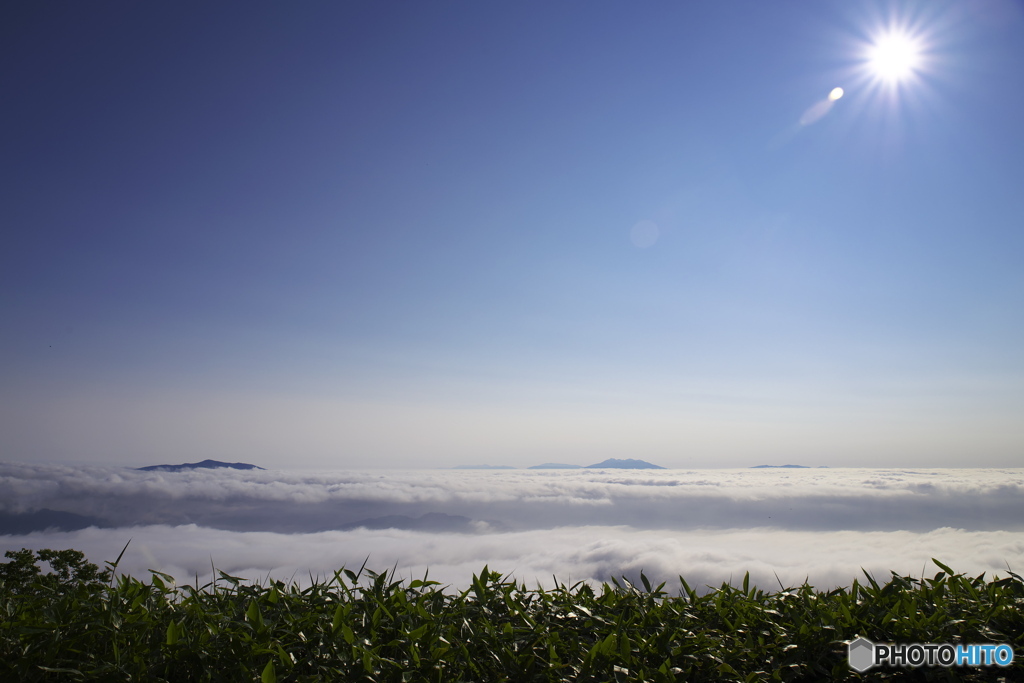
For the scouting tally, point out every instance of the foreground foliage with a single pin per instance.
(77, 623)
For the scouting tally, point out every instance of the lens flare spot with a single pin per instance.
(644, 234)
(835, 94)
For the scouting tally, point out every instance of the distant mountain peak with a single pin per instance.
(204, 465)
(627, 464)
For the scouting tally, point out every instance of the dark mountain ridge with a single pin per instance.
(20, 523)
(627, 464)
(204, 465)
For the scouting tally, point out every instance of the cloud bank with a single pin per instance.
(570, 554)
(706, 525)
(296, 502)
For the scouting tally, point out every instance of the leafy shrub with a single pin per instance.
(77, 623)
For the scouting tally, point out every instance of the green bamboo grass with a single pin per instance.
(77, 623)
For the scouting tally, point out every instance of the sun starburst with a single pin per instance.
(895, 56)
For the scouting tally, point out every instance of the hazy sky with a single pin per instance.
(419, 234)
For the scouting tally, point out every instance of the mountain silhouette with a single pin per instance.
(18, 523)
(204, 465)
(627, 464)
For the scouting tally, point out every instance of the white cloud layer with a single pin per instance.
(302, 501)
(707, 525)
(571, 554)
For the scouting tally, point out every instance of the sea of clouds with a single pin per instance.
(709, 526)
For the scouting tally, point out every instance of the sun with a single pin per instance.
(894, 61)
(894, 57)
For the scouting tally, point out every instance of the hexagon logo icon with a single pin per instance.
(861, 654)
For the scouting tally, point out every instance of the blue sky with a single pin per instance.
(424, 234)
